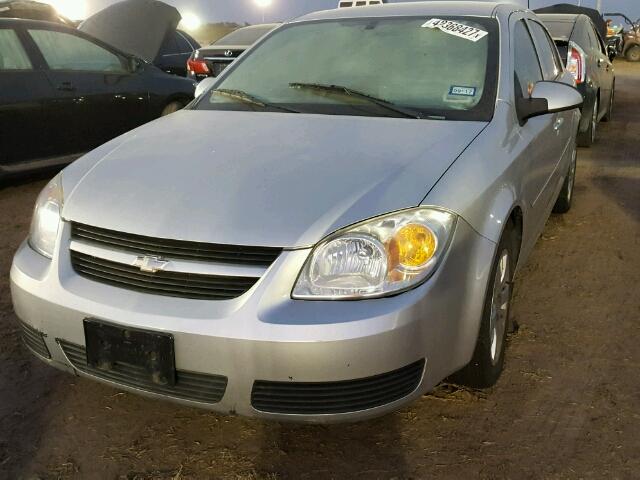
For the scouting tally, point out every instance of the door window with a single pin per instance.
(547, 51)
(595, 42)
(63, 51)
(12, 53)
(526, 64)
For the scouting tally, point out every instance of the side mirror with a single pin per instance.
(611, 53)
(204, 85)
(548, 97)
(135, 64)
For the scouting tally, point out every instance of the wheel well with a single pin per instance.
(516, 223)
(177, 98)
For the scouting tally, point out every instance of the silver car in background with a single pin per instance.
(327, 232)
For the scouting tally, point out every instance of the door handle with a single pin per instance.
(558, 124)
(66, 87)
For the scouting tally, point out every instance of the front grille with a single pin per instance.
(176, 249)
(319, 398)
(197, 387)
(170, 284)
(34, 340)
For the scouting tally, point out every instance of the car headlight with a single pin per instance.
(46, 218)
(379, 257)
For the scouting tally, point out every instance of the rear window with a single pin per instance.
(244, 36)
(560, 30)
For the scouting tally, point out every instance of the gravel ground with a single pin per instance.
(568, 405)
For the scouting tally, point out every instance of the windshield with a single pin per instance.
(244, 36)
(444, 67)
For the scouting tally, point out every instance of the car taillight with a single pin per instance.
(198, 67)
(576, 63)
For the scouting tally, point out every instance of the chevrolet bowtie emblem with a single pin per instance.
(150, 264)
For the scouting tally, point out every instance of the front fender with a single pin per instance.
(483, 185)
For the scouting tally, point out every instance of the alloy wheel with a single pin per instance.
(500, 306)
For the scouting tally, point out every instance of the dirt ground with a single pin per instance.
(567, 406)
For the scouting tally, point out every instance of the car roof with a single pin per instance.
(474, 8)
(40, 23)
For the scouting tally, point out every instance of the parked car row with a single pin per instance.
(584, 53)
(332, 227)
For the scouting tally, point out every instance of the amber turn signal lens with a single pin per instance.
(416, 245)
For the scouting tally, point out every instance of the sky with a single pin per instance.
(247, 11)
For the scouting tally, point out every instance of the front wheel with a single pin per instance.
(633, 54)
(171, 107)
(487, 363)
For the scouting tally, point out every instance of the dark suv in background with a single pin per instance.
(585, 55)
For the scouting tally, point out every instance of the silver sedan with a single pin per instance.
(332, 227)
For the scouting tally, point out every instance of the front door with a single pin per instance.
(98, 96)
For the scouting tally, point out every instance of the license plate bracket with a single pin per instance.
(108, 345)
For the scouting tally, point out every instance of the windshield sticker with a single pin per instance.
(457, 29)
(462, 91)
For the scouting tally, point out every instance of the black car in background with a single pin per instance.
(63, 92)
(212, 60)
(585, 54)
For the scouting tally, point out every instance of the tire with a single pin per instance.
(609, 115)
(588, 138)
(633, 54)
(565, 197)
(487, 363)
(171, 107)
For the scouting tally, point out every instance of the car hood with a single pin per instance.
(137, 27)
(267, 179)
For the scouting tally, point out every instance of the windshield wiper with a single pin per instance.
(250, 99)
(346, 91)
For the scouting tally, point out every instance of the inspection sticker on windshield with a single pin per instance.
(462, 91)
(457, 29)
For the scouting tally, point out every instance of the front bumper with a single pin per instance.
(264, 336)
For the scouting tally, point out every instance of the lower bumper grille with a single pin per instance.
(197, 387)
(319, 398)
(172, 284)
(34, 340)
